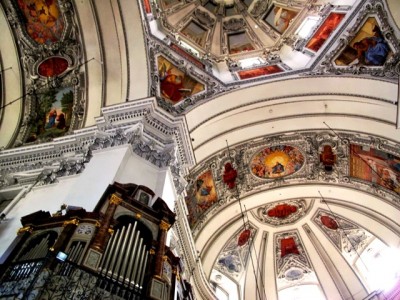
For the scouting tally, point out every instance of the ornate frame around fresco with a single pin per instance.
(32, 54)
(310, 144)
(390, 69)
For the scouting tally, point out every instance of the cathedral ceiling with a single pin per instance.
(259, 84)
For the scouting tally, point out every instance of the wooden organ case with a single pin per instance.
(118, 251)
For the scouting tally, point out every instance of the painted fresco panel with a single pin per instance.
(174, 84)
(53, 114)
(375, 166)
(325, 31)
(267, 70)
(195, 33)
(239, 42)
(279, 18)
(277, 161)
(201, 196)
(368, 48)
(43, 20)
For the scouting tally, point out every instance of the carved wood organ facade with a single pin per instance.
(118, 251)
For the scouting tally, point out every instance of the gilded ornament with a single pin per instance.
(25, 229)
(115, 199)
(164, 225)
(73, 221)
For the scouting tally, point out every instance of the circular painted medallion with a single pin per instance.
(277, 161)
(52, 66)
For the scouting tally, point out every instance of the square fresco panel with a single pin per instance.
(267, 70)
(201, 196)
(368, 48)
(43, 20)
(279, 18)
(239, 42)
(174, 84)
(196, 33)
(375, 166)
(53, 114)
(325, 31)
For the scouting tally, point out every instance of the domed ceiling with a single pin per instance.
(292, 119)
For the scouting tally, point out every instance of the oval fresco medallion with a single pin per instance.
(43, 20)
(52, 66)
(276, 161)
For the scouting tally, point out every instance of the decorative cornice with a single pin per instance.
(153, 135)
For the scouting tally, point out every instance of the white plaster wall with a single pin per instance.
(136, 170)
(98, 174)
(47, 198)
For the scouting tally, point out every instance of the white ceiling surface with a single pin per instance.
(9, 62)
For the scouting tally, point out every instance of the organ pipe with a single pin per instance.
(117, 251)
(128, 253)
(139, 270)
(107, 263)
(132, 256)
(135, 266)
(143, 269)
(122, 252)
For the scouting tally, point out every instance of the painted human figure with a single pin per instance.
(278, 168)
(374, 50)
(52, 118)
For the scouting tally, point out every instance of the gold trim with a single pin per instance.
(98, 224)
(138, 215)
(25, 229)
(115, 199)
(111, 231)
(73, 222)
(152, 252)
(164, 225)
(165, 258)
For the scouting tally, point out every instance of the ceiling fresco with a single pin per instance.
(278, 161)
(347, 165)
(234, 256)
(43, 21)
(247, 42)
(283, 213)
(50, 57)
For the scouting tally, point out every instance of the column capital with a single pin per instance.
(164, 225)
(115, 199)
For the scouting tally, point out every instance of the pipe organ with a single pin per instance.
(117, 251)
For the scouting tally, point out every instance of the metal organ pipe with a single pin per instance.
(116, 252)
(135, 266)
(106, 253)
(132, 257)
(121, 252)
(139, 270)
(128, 253)
(141, 278)
(107, 263)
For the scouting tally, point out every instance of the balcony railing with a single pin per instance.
(32, 280)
